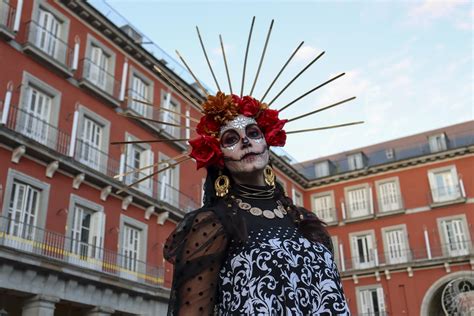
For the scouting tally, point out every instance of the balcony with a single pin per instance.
(48, 48)
(387, 205)
(406, 257)
(7, 20)
(94, 158)
(328, 215)
(452, 194)
(99, 81)
(60, 248)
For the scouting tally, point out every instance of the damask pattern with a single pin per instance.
(279, 272)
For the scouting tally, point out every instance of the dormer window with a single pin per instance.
(437, 142)
(389, 153)
(322, 169)
(355, 161)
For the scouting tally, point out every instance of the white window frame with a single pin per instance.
(123, 260)
(169, 117)
(362, 294)
(328, 215)
(146, 159)
(322, 169)
(140, 108)
(438, 142)
(25, 117)
(355, 161)
(15, 176)
(460, 247)
(455, 192)
(396, 254)
(370, 254)
(297, 197)
(170, 191)
(63, 36)
(390, 203)
(104, 146)
(352, 212)
(109, 71)
(335, 246)
(95, 245)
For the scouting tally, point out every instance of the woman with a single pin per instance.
(249, 250)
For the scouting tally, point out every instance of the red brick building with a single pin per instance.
(400, 212)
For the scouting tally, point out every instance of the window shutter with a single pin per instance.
(364, 302)
(380, 299)
(96, 237)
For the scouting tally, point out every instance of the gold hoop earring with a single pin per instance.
(269, 176)
(222, 185)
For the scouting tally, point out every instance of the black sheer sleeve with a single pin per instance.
(196, 248)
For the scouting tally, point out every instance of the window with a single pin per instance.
(455, 235)
(323, 206)
(297, 197)
(396, 244)
(132, 245)
(335, 247)
(24, 210)
(444, 184)
(139, 157)
(48, 33)
(322, 169)
(389, 198)
(358, 202)
(371, 301)
(170, 114)
(437, 142)
(93, 141)
(141, 88)
(363, 250)
(168, 182)
(39, 108)
(87, 222)
(355, 161)
(389, 153)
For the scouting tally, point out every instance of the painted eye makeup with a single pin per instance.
(230, 138)
(253, 132)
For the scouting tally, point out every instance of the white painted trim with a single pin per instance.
(19, 8)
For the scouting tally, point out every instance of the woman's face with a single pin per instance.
(243, 146)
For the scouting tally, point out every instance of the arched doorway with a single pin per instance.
(452, 292)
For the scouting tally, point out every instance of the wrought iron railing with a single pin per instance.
(49, 43)
(376, 258)
(96, 159)
(52, 245)
(7, 15)
(99, 77)
(445, 193)
(327, 215)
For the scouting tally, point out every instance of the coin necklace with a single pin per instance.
(279, 211)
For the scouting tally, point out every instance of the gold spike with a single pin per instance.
(299, 74)
(246, 55)
(158, 108)
(324, 127)
(322, 109)
(280, 72)
(311, 91)
(225, 63)
(261, 59)
(192, 74)
(170, 81)
(148, 167)
(207, 59)
(159, 140)
(154, 121)
(152, 174)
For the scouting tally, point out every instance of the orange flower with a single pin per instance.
(221, 107)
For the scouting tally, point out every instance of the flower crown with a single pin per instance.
(222, 108)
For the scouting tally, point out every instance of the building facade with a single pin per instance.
(71, 243)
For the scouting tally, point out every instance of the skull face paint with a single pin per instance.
(243, 145)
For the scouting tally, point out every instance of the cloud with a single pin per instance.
(229, 49)
(459, 13)
(306, 53)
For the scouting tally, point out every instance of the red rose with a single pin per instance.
(206, 151)
(267, 118)
(248, 106)
(236, 99)
(207, 126)
(276, 138)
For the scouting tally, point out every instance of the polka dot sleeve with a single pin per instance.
(196, 248)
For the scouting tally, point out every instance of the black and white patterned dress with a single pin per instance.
(230, 262)
(277, 271)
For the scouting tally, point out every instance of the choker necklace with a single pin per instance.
(279, 211)
(254, 193)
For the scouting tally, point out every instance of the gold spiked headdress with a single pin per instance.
(221, 108)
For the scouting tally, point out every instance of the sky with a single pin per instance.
(409, 63)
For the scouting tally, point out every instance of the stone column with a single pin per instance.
(100, 311)
(40, 305)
